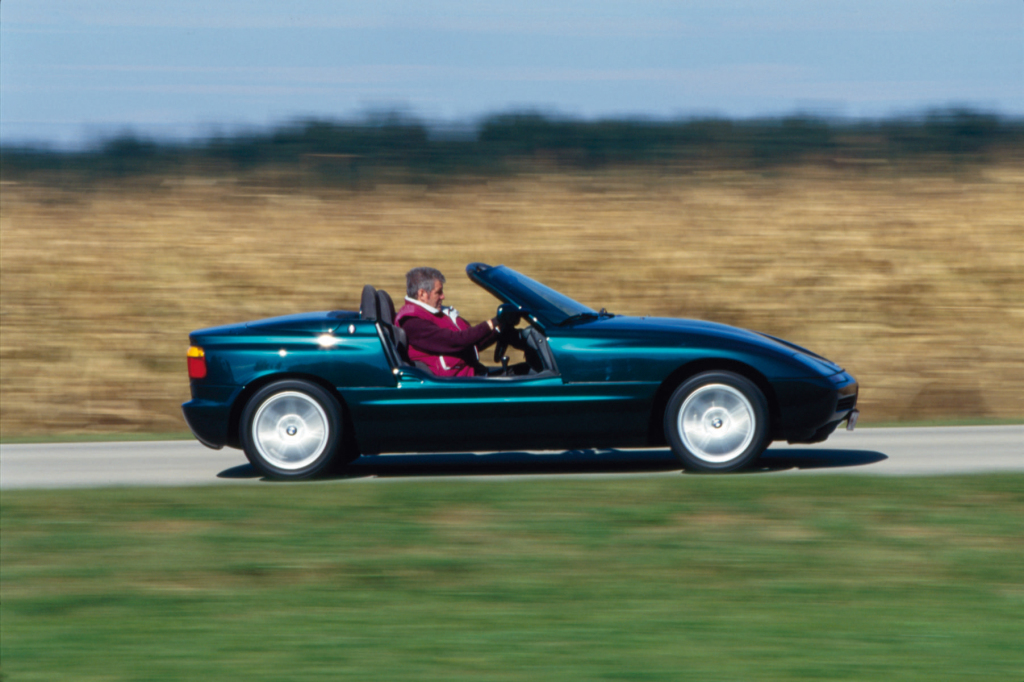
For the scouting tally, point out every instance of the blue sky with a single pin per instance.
(75, 70)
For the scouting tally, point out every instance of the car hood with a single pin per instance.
(686, 332)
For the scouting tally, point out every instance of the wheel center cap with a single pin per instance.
(716, 422)
(291, 430)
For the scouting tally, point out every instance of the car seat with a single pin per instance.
(394, 333)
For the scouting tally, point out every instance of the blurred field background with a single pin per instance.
(905, 264)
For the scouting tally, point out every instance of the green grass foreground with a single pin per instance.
(640, 578)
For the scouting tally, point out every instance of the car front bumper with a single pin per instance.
(811, 409)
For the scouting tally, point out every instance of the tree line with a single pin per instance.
(403, 148)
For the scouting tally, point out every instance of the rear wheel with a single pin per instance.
(291, 429)
(717, 422)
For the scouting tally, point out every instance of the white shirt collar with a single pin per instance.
(430, 309)
(446, 309)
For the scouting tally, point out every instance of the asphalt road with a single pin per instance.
(895, 451)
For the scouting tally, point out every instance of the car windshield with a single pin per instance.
(543, 301)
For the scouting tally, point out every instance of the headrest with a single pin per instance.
(368, 304)
(385, 307)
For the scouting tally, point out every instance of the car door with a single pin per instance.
(422, 412)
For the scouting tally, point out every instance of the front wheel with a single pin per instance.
(291, 429)
(717, 422)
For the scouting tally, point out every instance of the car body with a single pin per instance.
(303, 393)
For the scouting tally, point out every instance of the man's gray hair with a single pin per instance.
(421, 279)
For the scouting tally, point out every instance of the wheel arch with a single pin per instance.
(656, 431)
(234, 421)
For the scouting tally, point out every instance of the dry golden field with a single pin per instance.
(914, 283)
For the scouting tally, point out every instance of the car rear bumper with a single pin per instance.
(208, 422)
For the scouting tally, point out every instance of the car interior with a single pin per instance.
(377, 306)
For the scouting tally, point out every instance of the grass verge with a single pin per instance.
(679, 578)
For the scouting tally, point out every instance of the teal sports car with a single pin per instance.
(305, 394)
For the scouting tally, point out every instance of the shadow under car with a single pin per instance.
(605, 461)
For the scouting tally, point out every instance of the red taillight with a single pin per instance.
(196, 363)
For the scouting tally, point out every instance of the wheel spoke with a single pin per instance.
(290, 430)
(740, 413)
(716, 423)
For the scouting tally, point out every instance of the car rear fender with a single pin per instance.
(234, 424)
(656, 431)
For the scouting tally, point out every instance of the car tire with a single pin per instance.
(291, 430)
(717, 422)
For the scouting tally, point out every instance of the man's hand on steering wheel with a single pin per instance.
(506, 319)
(507, 336)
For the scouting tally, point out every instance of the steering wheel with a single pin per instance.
(503, 342)
(508, 317)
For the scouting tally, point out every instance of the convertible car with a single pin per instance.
(304, 394)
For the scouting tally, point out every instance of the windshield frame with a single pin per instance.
(547, 306)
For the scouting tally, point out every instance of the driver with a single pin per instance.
(438, 337)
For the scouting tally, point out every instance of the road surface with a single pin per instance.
(893, 451)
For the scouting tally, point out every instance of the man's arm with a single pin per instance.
(430, 338)
(487, 341)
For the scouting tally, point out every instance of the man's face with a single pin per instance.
(433, 297)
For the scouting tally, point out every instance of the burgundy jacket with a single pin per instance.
(447, 345)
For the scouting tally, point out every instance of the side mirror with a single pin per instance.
(508, 315)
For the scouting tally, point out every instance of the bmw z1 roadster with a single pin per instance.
(306, 393)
